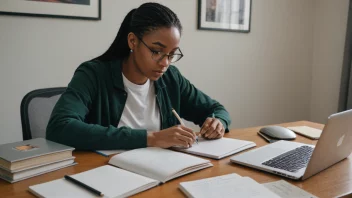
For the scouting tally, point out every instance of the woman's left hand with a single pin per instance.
(212, 129)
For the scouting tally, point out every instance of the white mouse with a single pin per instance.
(278, 132)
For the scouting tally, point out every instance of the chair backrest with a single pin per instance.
(36, 108)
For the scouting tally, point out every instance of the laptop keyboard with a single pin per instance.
(292, 160)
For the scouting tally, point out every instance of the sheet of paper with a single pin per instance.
(227, 186)
(287, 190)
(307, 131)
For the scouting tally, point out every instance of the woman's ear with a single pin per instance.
(131, 40)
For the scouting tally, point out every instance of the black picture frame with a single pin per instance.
(209, 15)
(21, 8)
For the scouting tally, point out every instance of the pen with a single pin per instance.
(100, 153)
(179, 119)
(84, 186)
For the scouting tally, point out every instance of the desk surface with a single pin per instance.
(332, 182)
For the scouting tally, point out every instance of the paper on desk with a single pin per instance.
(307, 131)
(287, 190)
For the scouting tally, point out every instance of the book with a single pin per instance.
(307, 131)
(226, 186)
(218, 148)
(38, 170)
(128, 173)
(111, 181)
(159, 164)
(29, 153)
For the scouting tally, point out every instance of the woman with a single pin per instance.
(123, 98)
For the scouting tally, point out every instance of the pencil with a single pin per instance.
(84, 185)
(183, 124)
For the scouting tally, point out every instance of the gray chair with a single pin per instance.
(36, 108)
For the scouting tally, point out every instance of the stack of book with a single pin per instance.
(26, 159)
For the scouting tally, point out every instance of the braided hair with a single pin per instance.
(148, 17)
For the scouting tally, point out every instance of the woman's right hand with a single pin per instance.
(174, 136)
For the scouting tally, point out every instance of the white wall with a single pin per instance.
(263, 77)
(330, 22)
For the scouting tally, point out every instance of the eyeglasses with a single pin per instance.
(158, 56)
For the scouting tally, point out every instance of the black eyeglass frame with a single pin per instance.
(169, 56)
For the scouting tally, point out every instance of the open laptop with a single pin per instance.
(301, 161)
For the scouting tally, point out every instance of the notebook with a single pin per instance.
(132, 172)
(218, 148)
(159, 164)
(307, 131)
(226, 186)
(29, 153)
(111, 181)
(35, 171)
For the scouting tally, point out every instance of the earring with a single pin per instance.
(131, 51)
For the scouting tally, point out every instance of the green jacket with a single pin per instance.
(88, 112)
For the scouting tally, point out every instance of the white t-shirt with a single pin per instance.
(141, 110)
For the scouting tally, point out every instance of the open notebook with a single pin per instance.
(159, 164)
(111, 181)
(218, 148)
(141, 169)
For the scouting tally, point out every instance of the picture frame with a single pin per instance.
(225, 15)
(70, 9)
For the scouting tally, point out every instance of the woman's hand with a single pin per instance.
(212, 129)
(173, 136)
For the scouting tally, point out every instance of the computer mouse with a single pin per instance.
(278, 132)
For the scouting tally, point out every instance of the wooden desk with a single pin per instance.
(332, 182)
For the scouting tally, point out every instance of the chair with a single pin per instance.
(36, 108)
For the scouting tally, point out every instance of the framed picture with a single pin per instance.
(74, 9)
(224, 15)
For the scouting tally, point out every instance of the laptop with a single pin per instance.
(300, 161)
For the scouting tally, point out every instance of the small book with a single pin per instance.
(307, 131)
(30, 153)
(159, 164)
(38, 170)
(132, 172)
(111, 181)
(218, 148)
(226, 186)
